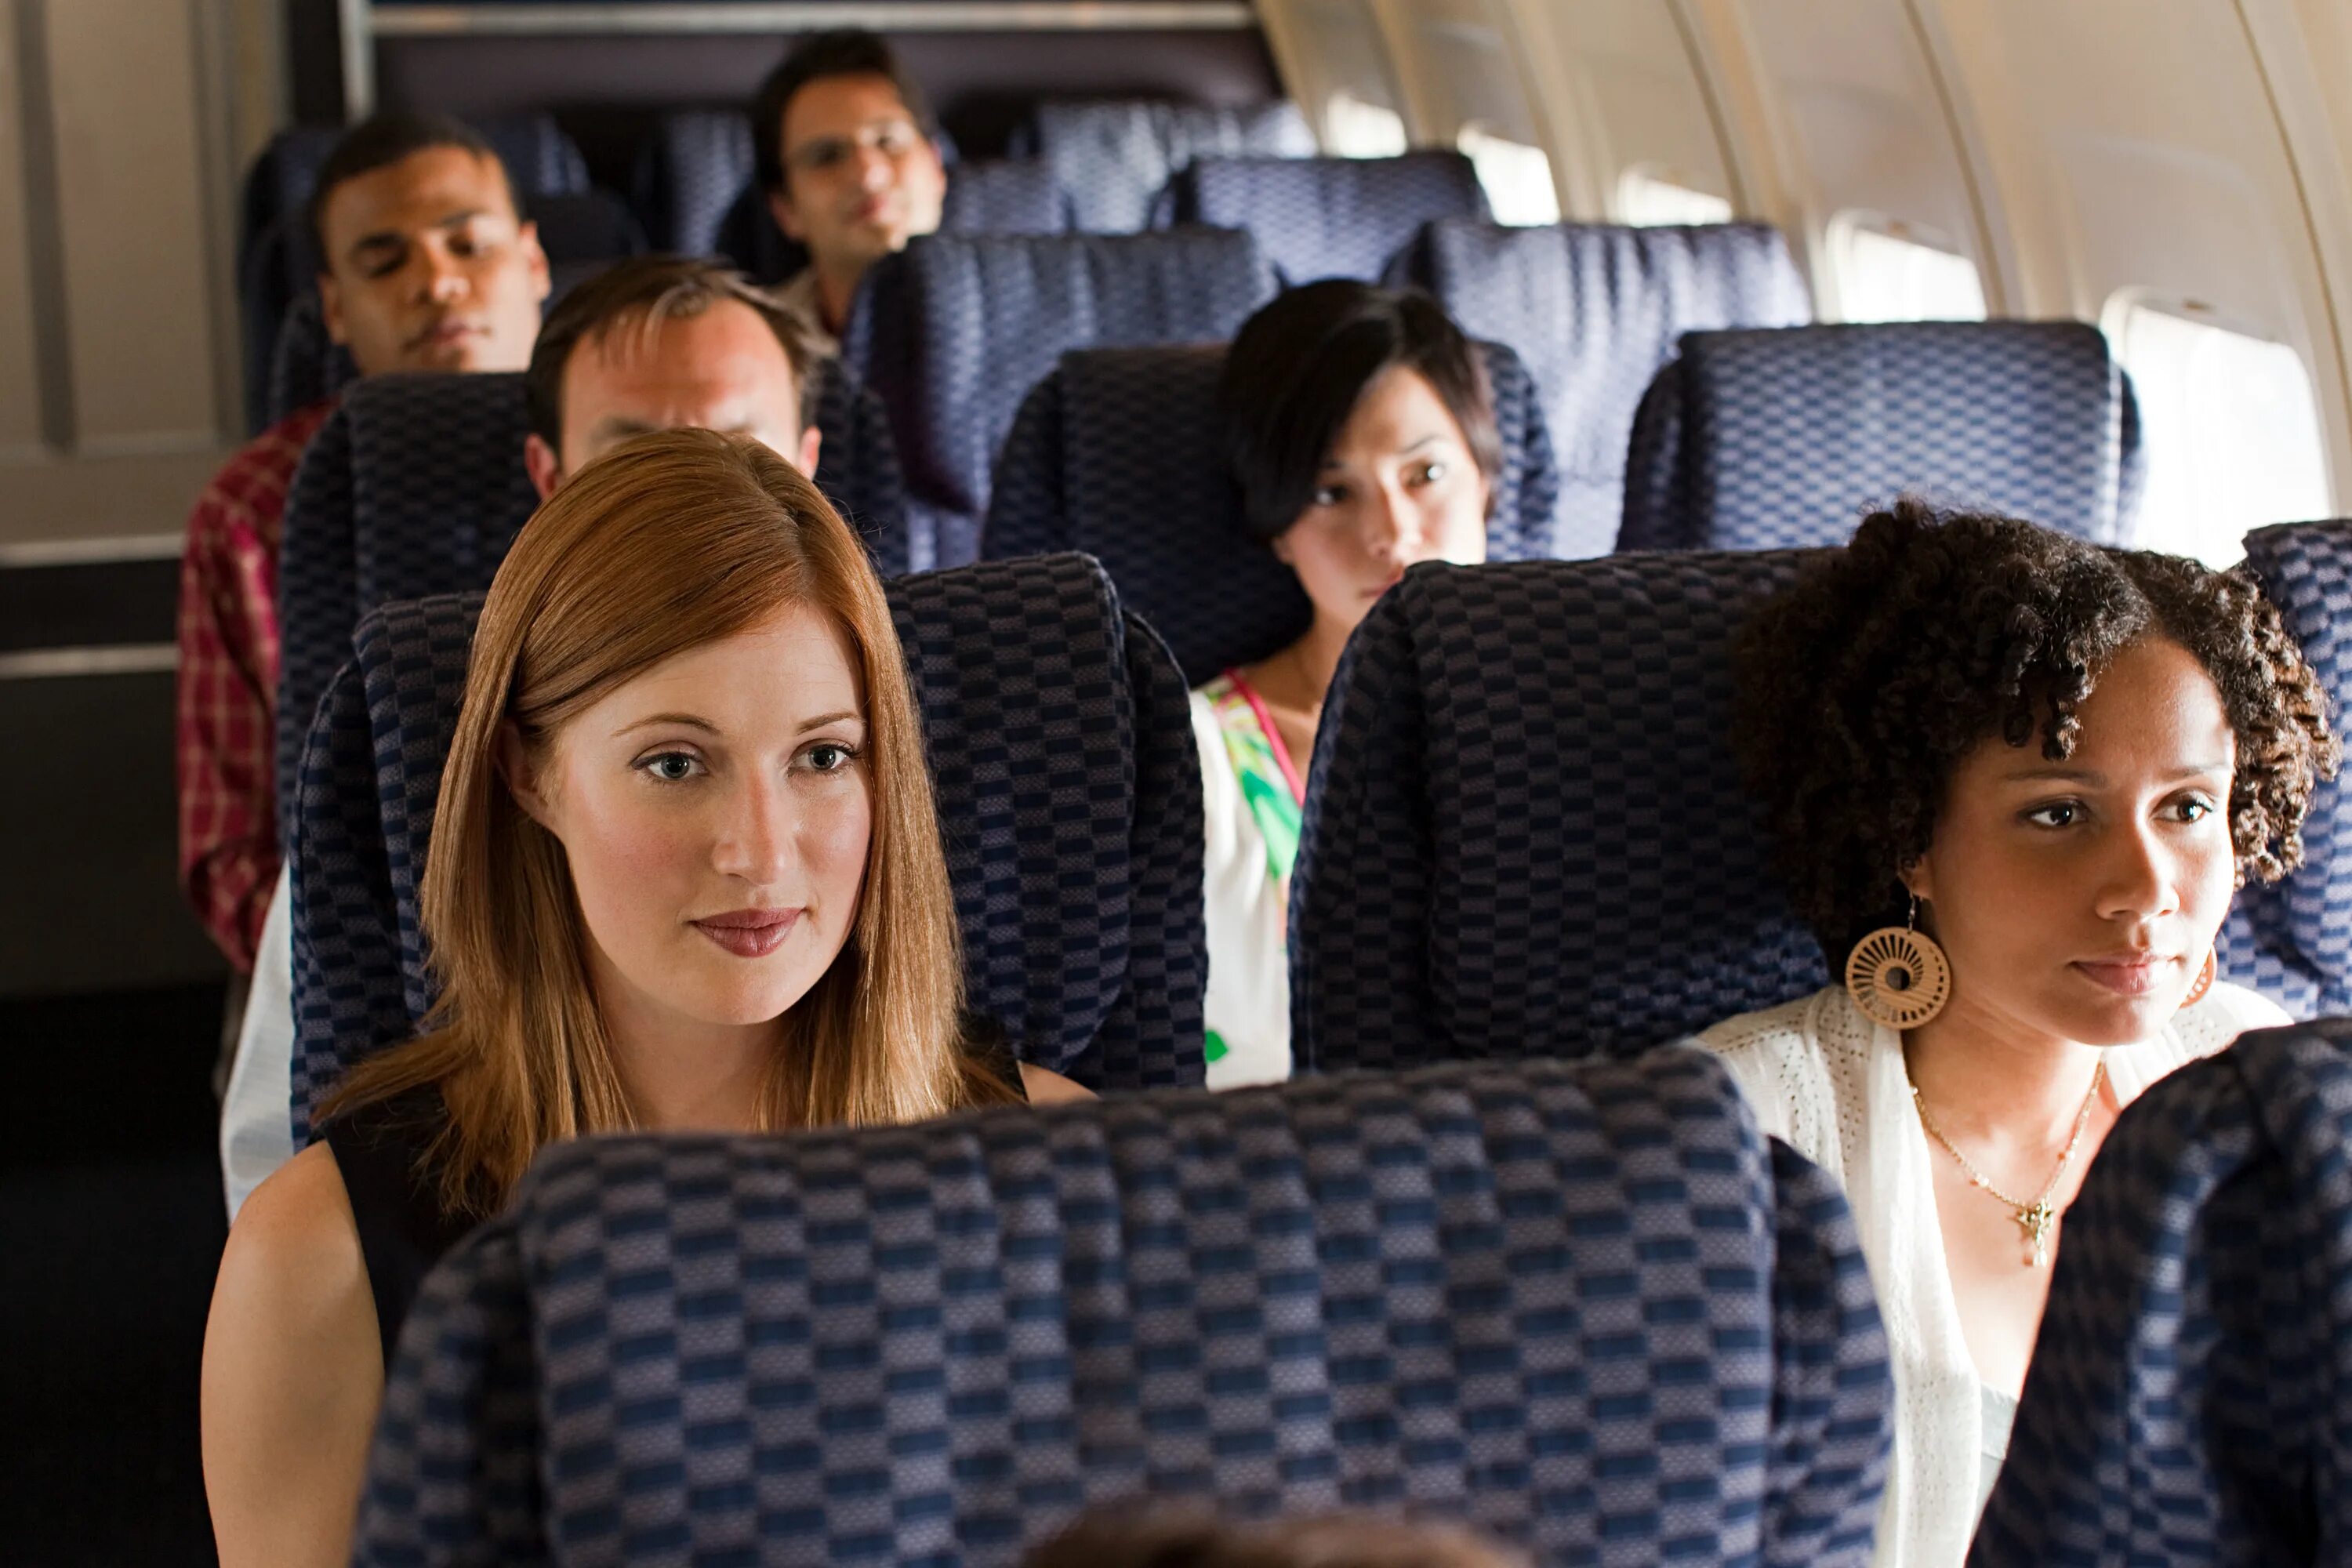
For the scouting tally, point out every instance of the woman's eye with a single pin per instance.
(2060, 814)
(1430, 473)
(2194, 809)
(1327, 495)
(670, 767)
(829, 757)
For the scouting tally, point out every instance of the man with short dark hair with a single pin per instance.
(846, 153)
(426, 264)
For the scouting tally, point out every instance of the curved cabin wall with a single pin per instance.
(2077, 155)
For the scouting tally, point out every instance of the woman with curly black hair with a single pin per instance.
(2014, 779)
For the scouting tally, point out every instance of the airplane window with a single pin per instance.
(1355, 129)
(1650, 198)
(2230, 427)
(1518, 177)
(1890, 271)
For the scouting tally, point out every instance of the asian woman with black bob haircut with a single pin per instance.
(1360, 430)
(686, 874)
(2014, 779)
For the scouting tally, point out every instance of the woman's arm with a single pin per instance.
(293, 1373)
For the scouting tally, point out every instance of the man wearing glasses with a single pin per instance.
(846, 153)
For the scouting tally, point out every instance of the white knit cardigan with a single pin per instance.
(1833, 1085)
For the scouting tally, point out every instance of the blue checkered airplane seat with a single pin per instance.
(953, 331)
(1326, 218)
(275, 259)
(1117, 454)
(984, 197)
(1585, 1307)
(1060, 745)
(2190, 1398)
(1595, 309)
(2293, 941)
(415, 486)
(1767, 439)
(1113, 157)
(1525, 826)
(688, 174)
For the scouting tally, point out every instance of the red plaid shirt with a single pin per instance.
(228, 685)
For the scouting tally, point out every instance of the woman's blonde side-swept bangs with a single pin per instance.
(671, 542)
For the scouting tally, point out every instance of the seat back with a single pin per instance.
(1524, 825)
(1767, 439)
(2191, 1397)
(1326, 218)
(415, 486)
(1595, 309)
(688, 174)
(2293, 940)
(953, 331)
(1586, 1308)
(1060, 746)
(1005, 195)
(1113, 157)
(1118, 453)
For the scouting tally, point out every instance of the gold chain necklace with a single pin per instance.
(2036, 1217)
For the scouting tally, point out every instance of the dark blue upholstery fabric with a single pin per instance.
(1061, 751)
(1006, 196)
(2191, 1397)
(953, 331)
(1326, 218)
(276, 259)
(1760, 440)
(415, 486)
(1585, 1307)
(2294, 941)
(1113, 157)
(1117, 454)
(688, 174)
(1595, 309)
(1524, 823)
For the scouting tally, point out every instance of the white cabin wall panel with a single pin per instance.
(20, 369)
(131, 181)
(1458, 61)
(1618, 78)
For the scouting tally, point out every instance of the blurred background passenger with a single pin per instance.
(428, 265)
(1361, 430)
(655, 342)
(1125, 1536)
(2014, 779)
(685, 875)
(846, 152)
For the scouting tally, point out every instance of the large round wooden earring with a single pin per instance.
(2204, 983)
(1898, 976)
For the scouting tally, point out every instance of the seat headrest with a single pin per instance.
(2188, 1389)
(1005, 195)
(952, 332)
(1584, 1307)
(1595, 309)
(1060, 742)
(1111, 157)
(1774, 438)
(687, 175)
(1525, 828)
(1326, 218)
(1118, 453)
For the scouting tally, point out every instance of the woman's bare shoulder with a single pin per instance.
(1048, 1087)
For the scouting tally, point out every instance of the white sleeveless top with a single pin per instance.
(1831, 1084)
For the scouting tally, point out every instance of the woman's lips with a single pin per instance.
(2128, 976)
(749, 933)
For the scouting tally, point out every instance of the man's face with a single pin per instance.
(860, 177)
(428, 267)
(722, 369)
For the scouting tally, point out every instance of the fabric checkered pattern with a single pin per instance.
(1766, 439)
(2293, 941)
(953, 331)
(1584, 1307)
(687, 175)
(1005, 195)
(225, 680)
(1595, 309)
(2190, 1398)
(416, 487)
(1116, 453)
(1326, 218)
(1524, 821)
(307, 366)
(1060, 745)
(1113, 157)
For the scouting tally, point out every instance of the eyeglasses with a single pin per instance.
(891, 138)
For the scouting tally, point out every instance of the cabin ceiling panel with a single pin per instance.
(1619, 77)
(1458, 65)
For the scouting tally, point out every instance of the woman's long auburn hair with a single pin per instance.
(670, 542)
